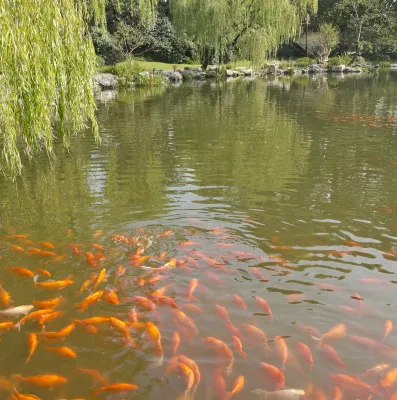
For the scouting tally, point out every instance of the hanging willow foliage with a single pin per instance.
(46, 63)
(256, 27)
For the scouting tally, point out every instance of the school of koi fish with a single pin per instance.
(373, 121)
(155, 307)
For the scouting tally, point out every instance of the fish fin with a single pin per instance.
(35, 278)
(18, 377)
(261, 393)
(244, 355)
(18, 326)
(317, 339)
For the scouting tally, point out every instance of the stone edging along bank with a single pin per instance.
(106, 81)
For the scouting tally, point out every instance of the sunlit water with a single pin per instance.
(287, 187)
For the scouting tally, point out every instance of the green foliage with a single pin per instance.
(340, 60)
(47, 62)
(304, 62)
(151, 80)
(284, 64)
(255, 28)
(106, 46)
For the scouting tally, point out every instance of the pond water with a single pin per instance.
(281, 190)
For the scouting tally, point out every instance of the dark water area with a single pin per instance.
(283, 190)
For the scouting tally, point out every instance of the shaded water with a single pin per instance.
(279, 189)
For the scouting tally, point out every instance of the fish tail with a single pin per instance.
(244, 355)
(35, 278)
(18, 377)
(316, 338)
(18, 326)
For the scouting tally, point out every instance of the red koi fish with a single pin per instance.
(264, 306)
(281, 349)
(275, 375)
(353, 386)
(332, 355)
(305, 353)
(239, 301)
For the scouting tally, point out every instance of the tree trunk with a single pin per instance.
(359, 39)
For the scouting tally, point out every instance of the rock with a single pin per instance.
(272, 68)
(173, 76)
(195, 73)
(338, 68)
(211, 74)
(230, 73)
(315, 69)
(106, 95)
(106, 81)
(393, 65)
(352, 69)
(212, 68)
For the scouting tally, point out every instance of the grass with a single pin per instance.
(149, 66)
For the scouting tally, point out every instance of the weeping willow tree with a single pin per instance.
(255, 27)
(46, 66)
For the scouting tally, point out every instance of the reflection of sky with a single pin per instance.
(97, 176)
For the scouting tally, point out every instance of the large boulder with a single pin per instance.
(195, 73)
(230, 73)
(173, 76)
(338, 68)
(315, 69)
(106, 81)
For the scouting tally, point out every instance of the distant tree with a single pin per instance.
(254, 27)
(320, 44)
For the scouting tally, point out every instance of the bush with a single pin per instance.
(151, 80)
(304, 62)
(291, 71)
(106, 46)
(340, 60)
(284, 64)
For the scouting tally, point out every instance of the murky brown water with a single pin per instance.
(283, 190)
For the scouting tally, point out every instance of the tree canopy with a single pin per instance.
(256, 27)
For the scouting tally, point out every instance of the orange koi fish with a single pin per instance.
(60, 335)
(350, 310)
(305, 353)
(47, 245)
(256, 335)
(281, 349)
(120, 326)
(353, 244)
(319, 395)
(6, 326)
(48, 381)
(18, 396)
(90, 259)
(337, 332)
(93, 320)
(21, 271)
(239, 301)
(222, 312)
(52, 285)
(86, 284)
(378, 370)
(238, 386)
(43, 272)
(187, 374)
(264, 306)
(192, 287)
(94, 374)
(275, 375)
(220, 385)
(352, 386)
(184, 321)
(62, 351)
(388, 326)
(144, 303)
(32, 315)
(364, 341)
(32, 341)
(5, 297)
(239, 347)
(45, 319)
(48, 304)
(176, 339)
(332, 355)
(259, 274)
(17, 237)
(194, 368)
(120, 271)
(337, 393)
(91, 299)
(193, 308)
(389, 379)
(116, 388)
(17, 249)
(110, 297)
(210, 261)
(222, 350)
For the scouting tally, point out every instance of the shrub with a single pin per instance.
(340, 60)
(284, 64)
(304, 62)
(291, 71)
(151, 80)
(106, 46)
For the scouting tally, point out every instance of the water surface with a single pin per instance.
(296, 178)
